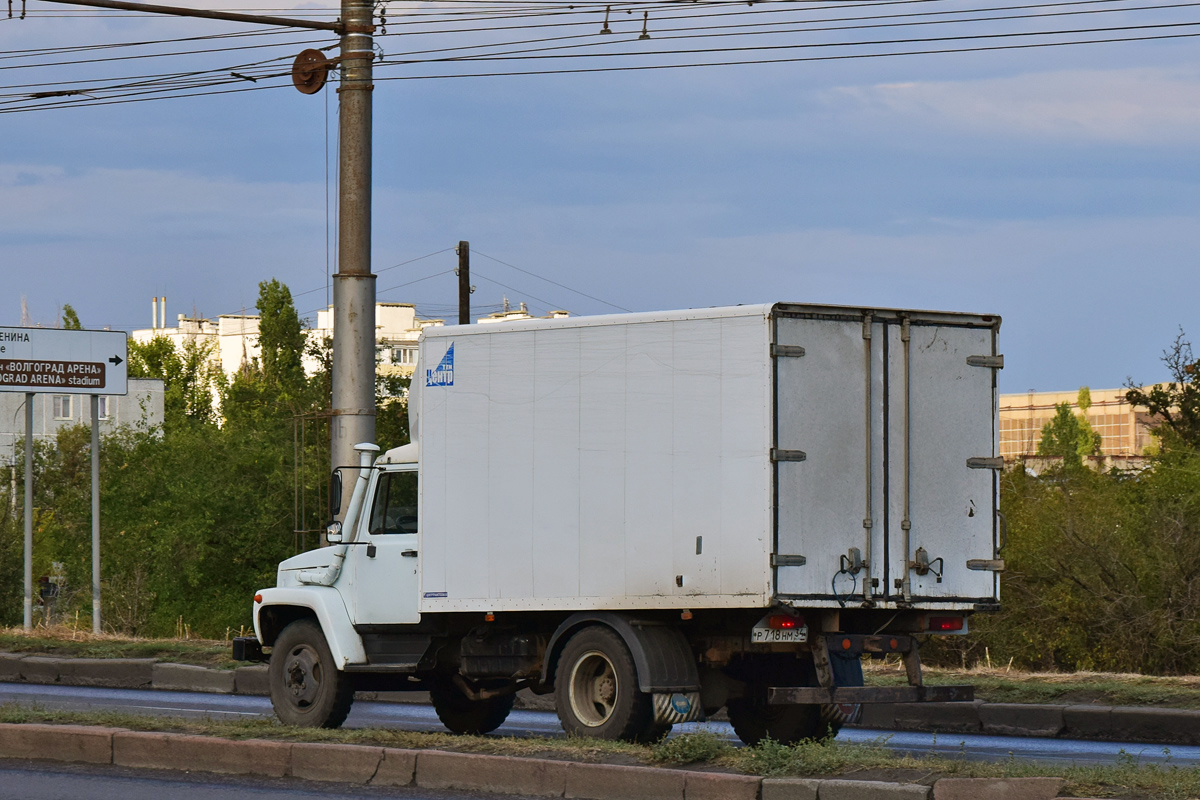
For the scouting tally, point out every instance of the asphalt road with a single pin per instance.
(540, 723)
(23, 780)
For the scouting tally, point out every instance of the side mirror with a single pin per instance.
(335, 493)
(333, 533)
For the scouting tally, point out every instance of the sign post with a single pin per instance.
(51, 360)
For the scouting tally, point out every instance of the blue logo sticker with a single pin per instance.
(443, 374)
(681, 704)
(435, 594)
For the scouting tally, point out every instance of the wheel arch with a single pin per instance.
(281, 607)
(661, 653)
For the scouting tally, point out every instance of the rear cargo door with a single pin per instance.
(828, 455)
(941, 458)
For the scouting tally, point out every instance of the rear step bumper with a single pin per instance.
(810, 695)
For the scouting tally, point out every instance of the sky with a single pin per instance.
(1058, 188)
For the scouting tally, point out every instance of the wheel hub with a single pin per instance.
(593, 689)
(303, 670)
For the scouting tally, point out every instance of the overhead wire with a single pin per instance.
(106, 91)
(670, 33)
(548, 280)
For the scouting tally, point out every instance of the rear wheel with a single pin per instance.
(754, 720)
(461, 714)
(596, 689)
(307, 690)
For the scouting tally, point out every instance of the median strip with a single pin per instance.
(434, 769)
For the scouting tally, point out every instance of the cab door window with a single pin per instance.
(395, 507)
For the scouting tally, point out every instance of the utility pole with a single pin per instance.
(353, 405)
(353, 419)
(464, 283)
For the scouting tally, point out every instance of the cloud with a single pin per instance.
(1121, 106)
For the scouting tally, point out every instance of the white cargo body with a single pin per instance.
(718, 458)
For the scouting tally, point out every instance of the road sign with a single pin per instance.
(60, 361)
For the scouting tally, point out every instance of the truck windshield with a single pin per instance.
(395, 508)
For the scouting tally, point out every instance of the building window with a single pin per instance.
(105, 407)
(404, 355)
(62, 406)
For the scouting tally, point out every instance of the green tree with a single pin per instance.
(1070, 435)
(191, 380)
(70, 320)
(1177, 403)
(281, 339)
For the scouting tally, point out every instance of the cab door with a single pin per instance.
(384, 559)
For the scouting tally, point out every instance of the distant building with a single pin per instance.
(234, 337)
(1124, 429)
(53, 412)
(397, 329)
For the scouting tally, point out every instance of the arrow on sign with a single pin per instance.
(115, 360)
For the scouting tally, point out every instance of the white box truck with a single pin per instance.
(655, 516)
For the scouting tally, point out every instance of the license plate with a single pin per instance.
(761, 634)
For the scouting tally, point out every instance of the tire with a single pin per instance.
(754, 720)
(654, 734)
(596, 689)
(307, 690)
(460, 714)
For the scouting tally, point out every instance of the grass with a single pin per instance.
(70, 642)
(704, 750)
(998, 685)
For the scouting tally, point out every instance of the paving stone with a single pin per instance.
(344, 763)
(116, 673)
(789, 789)
(1166, 725)
(398, 768)
(1088, 722)
(997, 788)
(1021, 719)
(190, 678)
(463, 771)
(952, 717)
(719, 786)
(201, 754)
(86, 743)
(871, 790)
(43, 669)
(252, 680)
(615, 782)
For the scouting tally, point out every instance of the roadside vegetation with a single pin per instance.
(1130, 778)
(69, 642)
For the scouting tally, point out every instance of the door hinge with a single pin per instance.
(986, 564)
(788, 455)
(787, 351)
(982, 462)
(778, 560)
(991, 362)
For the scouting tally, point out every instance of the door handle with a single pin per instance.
(409, 553)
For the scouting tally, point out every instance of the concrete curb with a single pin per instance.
(1112, 723)
(1105, 723)
(435, 769)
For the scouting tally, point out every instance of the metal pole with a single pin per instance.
(464, 283)
(95, 513)
(353, 285)
(29, 511)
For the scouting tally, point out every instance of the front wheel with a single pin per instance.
(307, 690)
(461, 714)
(596, 688)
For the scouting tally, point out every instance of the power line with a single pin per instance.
(548, 280)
